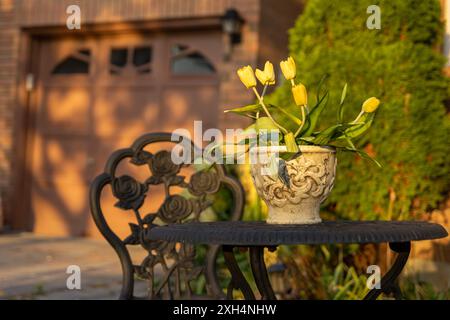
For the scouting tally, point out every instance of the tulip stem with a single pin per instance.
(358, 117)
(267, 112)
(264, 91)
(303, 122)
(262, 96)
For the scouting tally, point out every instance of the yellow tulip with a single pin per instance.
(247, 76)
(370, 105)
(267, 76)
(288, 68)
(300, 94)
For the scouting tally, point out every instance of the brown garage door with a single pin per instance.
(98, 94)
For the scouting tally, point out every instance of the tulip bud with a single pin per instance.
(370, 105)
(267, 76)
(300, 94)
(247, 76)
(288, 68)
(291, 145)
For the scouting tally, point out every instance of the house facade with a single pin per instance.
(69, 97)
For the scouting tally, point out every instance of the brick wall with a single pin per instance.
(9, 38)
(46, 12)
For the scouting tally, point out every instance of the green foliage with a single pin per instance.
(344, 283)
(319, 272)
(401, 65)
(413, 289)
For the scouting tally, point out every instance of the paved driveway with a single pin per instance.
(34, 267)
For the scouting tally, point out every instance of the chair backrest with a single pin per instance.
(176, 261)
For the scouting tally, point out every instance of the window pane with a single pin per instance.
(72, 65)
(142, 55)
(194, 63)
(118, 57)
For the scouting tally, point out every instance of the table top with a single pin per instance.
(254, 233)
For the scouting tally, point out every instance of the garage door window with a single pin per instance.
(76, 63)
(186, 61)
(136, 59)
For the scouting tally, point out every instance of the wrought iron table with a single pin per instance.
(258, 235)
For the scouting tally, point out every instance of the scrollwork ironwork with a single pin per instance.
(177, 260)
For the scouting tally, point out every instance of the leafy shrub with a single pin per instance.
(400, 64)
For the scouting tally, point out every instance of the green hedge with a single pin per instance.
(401, 64)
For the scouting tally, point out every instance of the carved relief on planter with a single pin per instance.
(311, 178)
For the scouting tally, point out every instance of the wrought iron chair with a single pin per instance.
(177, 261)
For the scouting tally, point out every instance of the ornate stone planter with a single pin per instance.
(311, 176)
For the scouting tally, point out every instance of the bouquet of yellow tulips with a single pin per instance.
(297, 123)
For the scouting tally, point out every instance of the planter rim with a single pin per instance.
(303, 149)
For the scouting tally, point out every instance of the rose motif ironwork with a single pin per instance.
(204, 182)
(175, 208)
(141, 157)
(131, 193)
(161, 165)
(178, 263)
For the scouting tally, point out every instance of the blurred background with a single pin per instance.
(70, 97)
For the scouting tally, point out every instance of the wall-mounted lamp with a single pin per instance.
(231, 25)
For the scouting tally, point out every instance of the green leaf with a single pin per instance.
(229, 149)
(326, 252)
(341, 104)
(314, 115)
(264, 123)
(362, 126)
(249, 129)
(246, 109)
(343, 290)
(349, 141)
(319, 86)
(325, 136)
(288, 114)
(363, 155)
(308, 140)
(344, 93)
(262, 130)
(288, 156)
(331, 133)
(291, 145)
(250, 136)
